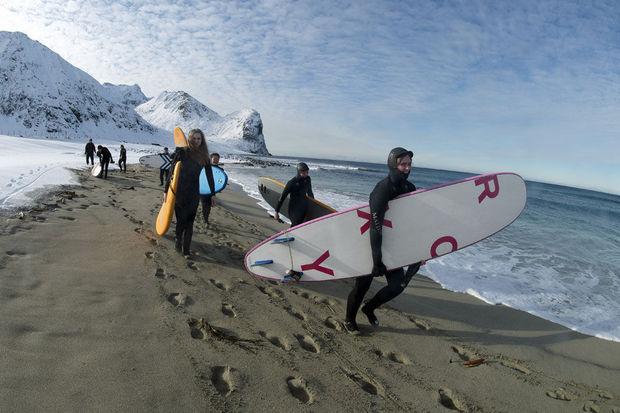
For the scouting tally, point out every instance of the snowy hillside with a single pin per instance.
(130, 95)
(240, 131)
(172, 109)
(42, 95)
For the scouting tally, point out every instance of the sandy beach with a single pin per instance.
(100, 314)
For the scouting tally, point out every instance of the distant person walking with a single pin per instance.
(89, 151)
(105, 157)
(122, 159)
(208, 201)
(164, 169)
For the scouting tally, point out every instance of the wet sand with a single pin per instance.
(98, 313)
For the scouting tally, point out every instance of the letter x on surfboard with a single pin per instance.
(417, 226)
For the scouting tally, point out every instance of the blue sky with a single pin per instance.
(531, 87)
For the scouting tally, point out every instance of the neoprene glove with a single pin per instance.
(378, 270)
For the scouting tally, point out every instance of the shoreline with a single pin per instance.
(101, 312)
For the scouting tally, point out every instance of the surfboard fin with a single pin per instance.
(292, 275)
(261, 262)
(284, 240)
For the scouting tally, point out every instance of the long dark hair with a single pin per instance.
(201, 153)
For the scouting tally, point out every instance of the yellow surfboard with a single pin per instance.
(164, 218)
(180, 141)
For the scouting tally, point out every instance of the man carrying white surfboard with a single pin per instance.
(395, 184)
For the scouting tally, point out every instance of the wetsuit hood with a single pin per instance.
(397, 176)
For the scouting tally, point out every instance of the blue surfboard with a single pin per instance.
(219, 177)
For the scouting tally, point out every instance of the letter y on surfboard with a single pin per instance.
(420, 225)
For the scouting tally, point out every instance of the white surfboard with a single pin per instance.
(96, 170)
(420, 225)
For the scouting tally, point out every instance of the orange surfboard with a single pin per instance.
(164, 218)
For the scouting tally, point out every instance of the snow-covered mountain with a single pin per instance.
(42, 95)
(130, 95)
(240, 131)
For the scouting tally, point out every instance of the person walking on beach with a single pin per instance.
(164, 169)
(89, 151)
(298, 187)
(193, 159)
(105, 157)
(207, 201)
(122, 159)
(395, 184)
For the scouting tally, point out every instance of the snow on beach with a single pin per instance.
(34, 164)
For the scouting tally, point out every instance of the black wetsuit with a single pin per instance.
(297, 188)
(393, 185)
(104, 158)
(122, 160)
(90, 153)
(164, 173)
(187, 197)
(206, 201)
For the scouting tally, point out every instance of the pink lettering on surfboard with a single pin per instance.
(367, 217)
(447, 239)
(487, 192)
(316, 265)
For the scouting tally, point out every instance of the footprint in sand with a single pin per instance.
(15, 253)
(160, 273)
(228, 310)
(308, 343)
(298, 388)
(66, 218)
(332, 323)
(448, 399)
(591, 407)
(179, 299)
(464, 354)
(515, 366)
(365, 383)
(192, 265)
(83, 206)
(324, 300)
(219, 284)
(393, 356)
(222, 379)
(560, 394)
(276, 340)
(300, 315)
(421, 324)
(271, 292)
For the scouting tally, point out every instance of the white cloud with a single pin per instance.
(385, 72)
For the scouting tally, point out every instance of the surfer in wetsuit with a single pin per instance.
(105, 157)
(122, 159)
(164, 171)
(207, 201)
(89, 151)
(298, 187)
(193, 159)
(395, 184)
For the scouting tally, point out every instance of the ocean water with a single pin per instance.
(560, 260)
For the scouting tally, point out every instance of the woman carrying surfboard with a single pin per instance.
(194, 158)
(298, 187)
(395, 184)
